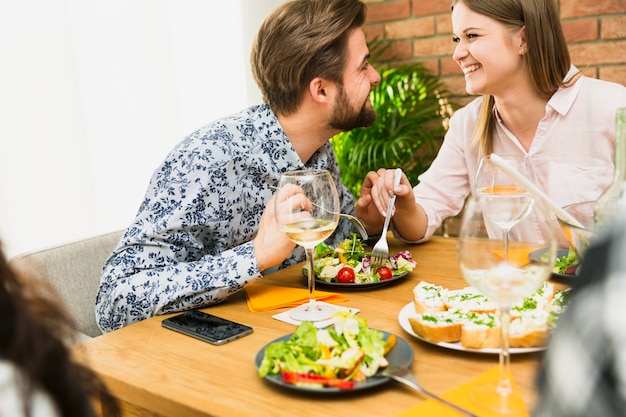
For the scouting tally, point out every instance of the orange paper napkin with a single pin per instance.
(261, 297)
(460, 397)
(517, 257)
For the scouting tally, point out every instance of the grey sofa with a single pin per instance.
(74, 269)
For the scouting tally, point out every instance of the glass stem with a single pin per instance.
(505, 244)
(311, 278)
(505, 385)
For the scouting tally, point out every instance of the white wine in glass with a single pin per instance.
(307, 210)
(496, 221)
(504, 202)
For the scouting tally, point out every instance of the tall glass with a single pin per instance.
(501, 226)
(307, 210)
(505, 202)
(579, 238)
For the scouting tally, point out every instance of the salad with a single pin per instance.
(566, 265)
(350, 263)
(336, 356)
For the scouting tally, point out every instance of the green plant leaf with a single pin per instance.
(412, 110)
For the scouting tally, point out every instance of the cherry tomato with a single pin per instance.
(384, 273)
(345, 275)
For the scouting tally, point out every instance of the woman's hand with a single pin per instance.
(371, 207)
(376, 190)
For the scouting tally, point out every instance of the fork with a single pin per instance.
(380, 253)
(406, 377)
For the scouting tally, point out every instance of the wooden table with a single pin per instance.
(157, 372)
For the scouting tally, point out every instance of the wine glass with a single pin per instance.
(307, 211)
(579, 238)
(506, 202)
(501, 225)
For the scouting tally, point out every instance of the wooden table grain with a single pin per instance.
(157, 372)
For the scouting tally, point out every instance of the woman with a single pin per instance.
(37, 375)
(533, 103)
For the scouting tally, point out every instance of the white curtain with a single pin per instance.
(94, 93)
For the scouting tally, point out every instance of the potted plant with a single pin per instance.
(412, 112)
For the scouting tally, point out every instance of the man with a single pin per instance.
(206, 227)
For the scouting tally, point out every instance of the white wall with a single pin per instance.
(94, 93)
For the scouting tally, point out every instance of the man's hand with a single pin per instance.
(271, 245)
(366, 209)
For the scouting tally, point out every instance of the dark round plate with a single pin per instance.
(536, 256)
(400, 355)
(354, 286)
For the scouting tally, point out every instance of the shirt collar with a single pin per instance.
(275, 143)
(564, 98)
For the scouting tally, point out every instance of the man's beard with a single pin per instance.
(345, 118)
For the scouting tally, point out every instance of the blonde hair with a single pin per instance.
(547, 59)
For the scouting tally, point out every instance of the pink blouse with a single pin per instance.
(570, 158)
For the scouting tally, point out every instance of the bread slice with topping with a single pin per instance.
(529, 330)
(540, 300)
(559, 301)
(469, 299)
(438, 326)
(429, 297)
(480, 331)
(468, 317)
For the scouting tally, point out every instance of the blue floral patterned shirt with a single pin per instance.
(190, 244)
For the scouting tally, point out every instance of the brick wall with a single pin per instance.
(421, 30)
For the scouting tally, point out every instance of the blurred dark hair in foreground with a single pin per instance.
(38, 376)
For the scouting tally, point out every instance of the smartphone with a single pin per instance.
(207, 327)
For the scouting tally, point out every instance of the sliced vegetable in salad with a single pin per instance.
(336, 356)
(349, 262)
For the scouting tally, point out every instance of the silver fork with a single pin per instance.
(406, 377)
(380, 253)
